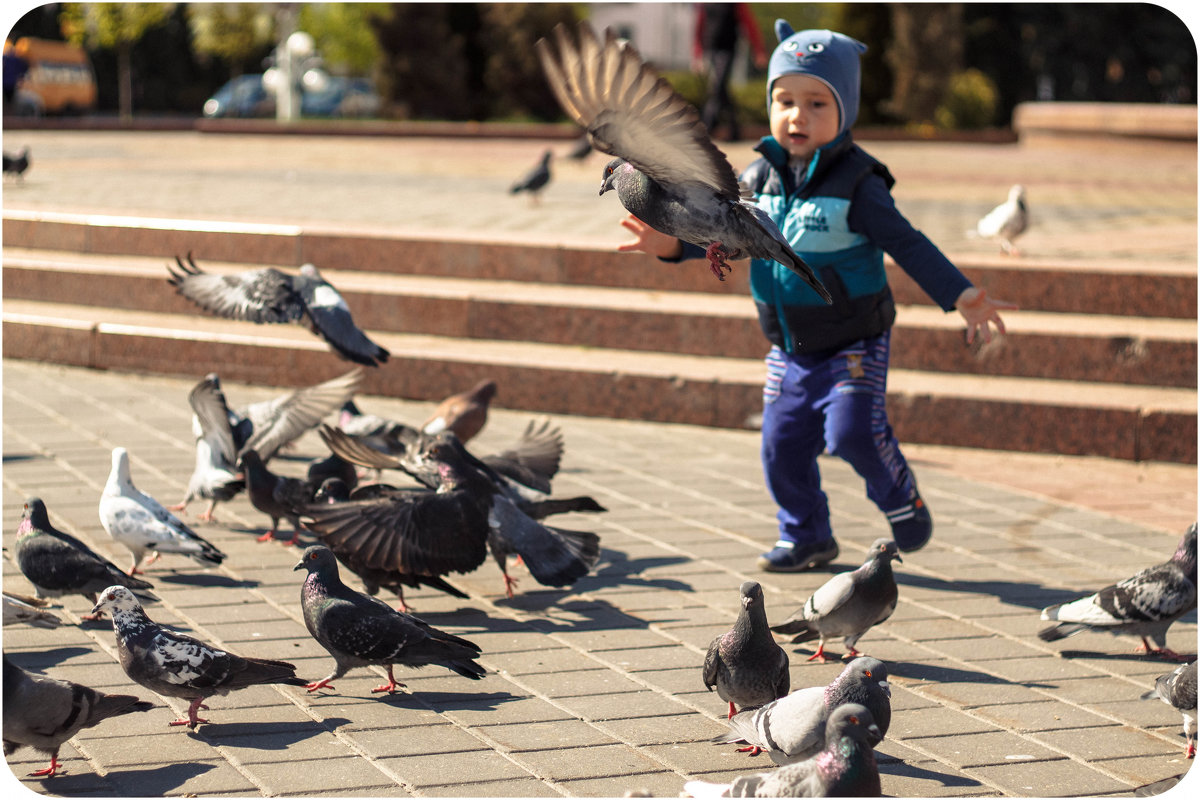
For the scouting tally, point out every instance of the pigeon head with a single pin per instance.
(318, 560)
(854, 721)
(120, 465)
(830, 57)
(864, 669)
(34, 516)
(611, 171)
(752, 594)
(886, 549)
(116, 600)
(1185, 554)
(484, 391)
(332, 490)
(310, 271)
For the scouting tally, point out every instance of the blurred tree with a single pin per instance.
(344, 36)
(238, 33)
(424, 69)
(925, 53)
(512, 76)
(115, 26)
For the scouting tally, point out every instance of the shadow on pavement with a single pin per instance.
(1016, 593)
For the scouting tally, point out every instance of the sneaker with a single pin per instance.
(912, 526)
(793, 557)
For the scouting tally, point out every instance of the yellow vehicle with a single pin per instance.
(59, 81)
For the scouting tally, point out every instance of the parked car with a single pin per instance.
(58, 80)
(245, 96)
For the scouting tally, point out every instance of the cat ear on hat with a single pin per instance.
(782, 29)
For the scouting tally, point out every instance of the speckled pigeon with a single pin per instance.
(744, 664)
(358, 630)
(792, 728)
(667, 171)
(1143, 605)
(176, 665)
(57, 563)
(43, 712)
(844, 767)
(1178, 690)
(848, 604)
(535, 180)
(269, 296)
(140, 523)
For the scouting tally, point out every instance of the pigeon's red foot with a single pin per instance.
(509, 583)
(266, 537)
(851, 654)
(191, 720)
(49, 771)
(93, 617)
(715, 253)
(1164, 652)
(178, 507)
(391, 685)
(753, 750)
(732, 710)
(1191, 750)
(292, 542)
(324, 683)
(820, 655)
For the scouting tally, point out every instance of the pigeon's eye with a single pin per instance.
(853, 720)
(867, 673)
(816, 47)
(312, 557)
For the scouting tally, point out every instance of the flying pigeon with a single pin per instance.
(1006, 221)
(744, 664)
(24, 610)
(376, 432)
(1178, 690)
(57, 563)
(17, 164)
(269, 296)
(792, 728)
(464, 413)
(1142, 605)
(667, 172)
(43, 712)
(175, 665)
(277, 496)
(358, 630)
(266, 427)
(142, 525)
(535, 180)
(848, 604)
(844, 767)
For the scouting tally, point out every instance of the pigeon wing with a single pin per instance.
(329, 317)
(212, 413)
(285, 419)
(260, 295)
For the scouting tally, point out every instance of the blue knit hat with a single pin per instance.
(830, 57)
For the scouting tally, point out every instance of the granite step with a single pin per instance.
(1086, 347)
(1025, 414)
(1111, 286)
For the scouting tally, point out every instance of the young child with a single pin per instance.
(827, 367)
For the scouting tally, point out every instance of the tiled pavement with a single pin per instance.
(596, 690)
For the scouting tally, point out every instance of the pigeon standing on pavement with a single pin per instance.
(1143, 605)
(175, 665)
(267, 296)
(1178, 690)
(667, 172)
(844, 767)
(792, 728)
(140, 523)
(57, 563)
(1006, 221)
(848, 604)
(744, 664)
(358, 630)
(43, 712)
(24, 610)
(17, 164)
(535, 180)
(464, 413)
(277, 496)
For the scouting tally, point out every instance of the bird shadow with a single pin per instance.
(1131, 655)
(205, 579)
(46, 658)
(266, 735)
(890, 766)
(11, 458)
(1016, 593)
(939, 673)
(153, 781)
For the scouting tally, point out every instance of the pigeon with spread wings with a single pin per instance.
(269, 296)
(667, 172)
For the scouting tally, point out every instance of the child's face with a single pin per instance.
(804, 114)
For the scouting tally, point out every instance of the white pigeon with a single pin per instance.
(142, 524)
(1006, 221)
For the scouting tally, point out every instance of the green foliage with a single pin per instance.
(970, 103)
(233, 32)
(512, 75)
(109, 25)
(343, 35)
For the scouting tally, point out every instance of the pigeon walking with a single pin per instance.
(744, 664)
(175, 665)
(848, 604)
(1178, 690)
(140, 523)
(535, 180)
(792, 728)
(844, 767)
(1143, 605)
(667, 172)
(268, 296)
(25, 610)
(57, 563)
(464, 414)
(43, 712)
(1006, 221)
(17, 164)
(358, 630)
(277, 496)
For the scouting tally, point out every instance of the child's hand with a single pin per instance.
(978, 310)
(649, 240)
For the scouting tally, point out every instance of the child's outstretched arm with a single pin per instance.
(649, 240)
(978, 310)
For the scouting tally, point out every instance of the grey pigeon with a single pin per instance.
(744, 664)
(43, 712)
(24, 610)
(1178, 690)
(1006, 221)
(277, 496)
(175, 665)
(535, 180)
(464, 413)
(848, 604)
(792, 728)
(358, 630)
(667, 171)
(269, 296)
(1143, 605)
(378, 433)
(17, 164)
(844, 767)
(57, 563)
(140, 523)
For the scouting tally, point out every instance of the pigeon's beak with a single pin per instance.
(887, 688)
(898, 558)
(300, 565)
(96, 609)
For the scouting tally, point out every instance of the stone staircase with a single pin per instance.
(1100, 360)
